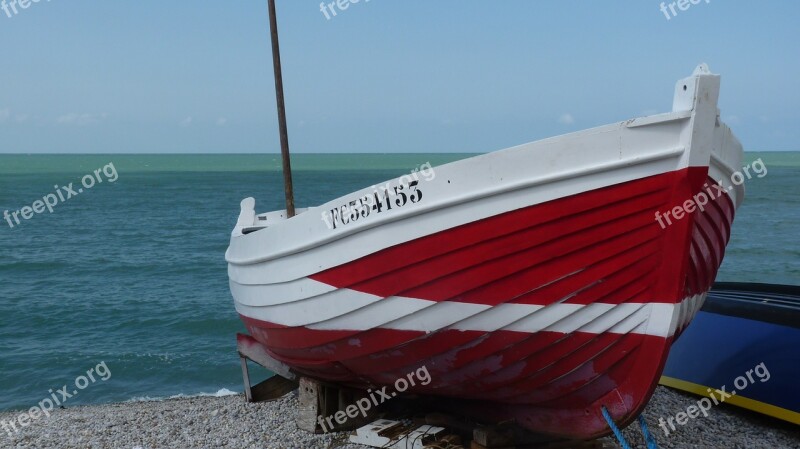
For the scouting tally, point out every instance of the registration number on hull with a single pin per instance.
(381, 199)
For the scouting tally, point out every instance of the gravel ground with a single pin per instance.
(726, 426)
(229, 422)
(201, 422)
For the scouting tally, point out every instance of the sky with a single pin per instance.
(380, 76)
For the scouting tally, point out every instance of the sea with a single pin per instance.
(121, 292)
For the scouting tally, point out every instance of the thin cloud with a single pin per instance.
(186, 122)
(5, 114)
(222, 121)
(566, 119)
(78, 119)
(733, 119)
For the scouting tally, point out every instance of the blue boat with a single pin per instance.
(743, 348)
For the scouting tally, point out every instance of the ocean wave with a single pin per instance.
(220, 393)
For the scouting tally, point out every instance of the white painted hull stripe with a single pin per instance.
(350, 310)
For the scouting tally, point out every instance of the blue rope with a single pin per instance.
(615, 429)
(648, 438)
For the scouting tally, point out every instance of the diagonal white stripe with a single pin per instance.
(352, 310)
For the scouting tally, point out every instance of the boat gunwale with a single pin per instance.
(455, 201)
(768, 303)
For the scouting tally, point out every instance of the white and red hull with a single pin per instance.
(534, 283)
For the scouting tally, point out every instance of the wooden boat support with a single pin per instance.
(273, 388)
(431, 432)
(316, 398)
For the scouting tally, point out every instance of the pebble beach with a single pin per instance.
(230, 422)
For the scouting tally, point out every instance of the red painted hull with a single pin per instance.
(602, 247)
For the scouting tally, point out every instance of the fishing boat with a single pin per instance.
(744, 341)
(540, 283)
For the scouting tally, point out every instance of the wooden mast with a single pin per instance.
(276, 63)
